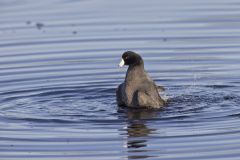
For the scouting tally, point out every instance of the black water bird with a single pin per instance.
(138, 90)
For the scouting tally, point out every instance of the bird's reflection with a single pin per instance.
(137, 131)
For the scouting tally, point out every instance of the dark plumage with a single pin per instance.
(138, 90)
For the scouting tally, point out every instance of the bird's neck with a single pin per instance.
(134, 73)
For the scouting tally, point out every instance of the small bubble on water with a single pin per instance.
(28, 22)
(39, 25)
(74, 32)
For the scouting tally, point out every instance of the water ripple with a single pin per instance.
(58, 68)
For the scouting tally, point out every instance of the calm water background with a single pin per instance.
(58, 74)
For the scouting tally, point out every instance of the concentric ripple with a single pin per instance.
(58, 76)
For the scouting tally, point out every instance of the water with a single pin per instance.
(58, 74)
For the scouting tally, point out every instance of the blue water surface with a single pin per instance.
(58, 76)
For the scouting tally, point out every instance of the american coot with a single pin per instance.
(138, 90)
